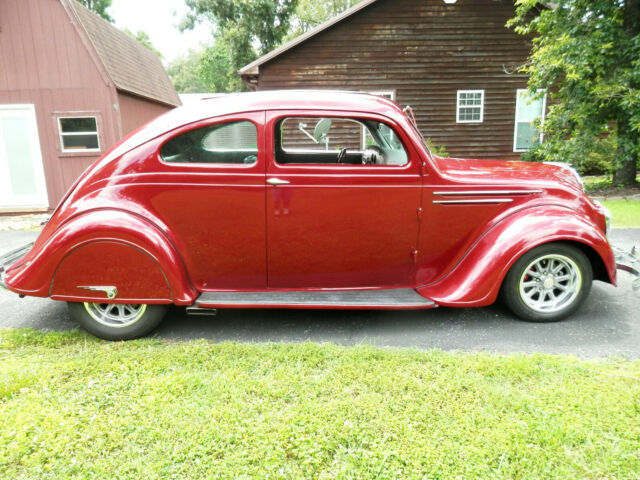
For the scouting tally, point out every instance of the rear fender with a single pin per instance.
(105, 248)
(476, 279)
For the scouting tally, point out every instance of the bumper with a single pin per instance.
(7, 260)
(629, 262)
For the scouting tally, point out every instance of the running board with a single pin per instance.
(390, 299)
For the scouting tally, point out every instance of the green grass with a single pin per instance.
(75, 407)
(602, 182)
(624, 213)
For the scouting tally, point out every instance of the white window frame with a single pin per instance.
(515, 123)
(62, 134)
(458, 106)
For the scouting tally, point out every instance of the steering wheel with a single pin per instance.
(341, 155)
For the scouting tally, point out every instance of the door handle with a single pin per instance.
(277, 181)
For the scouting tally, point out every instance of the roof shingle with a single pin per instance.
(132, 67)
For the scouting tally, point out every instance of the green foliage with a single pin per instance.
(437, 150)
(624, 213)
(76, 407)
(587, 53)
(143, 39)
(98, 6)
(311, 13)
(184, 72)
(242, 31)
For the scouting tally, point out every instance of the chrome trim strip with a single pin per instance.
(110, 290)
(478, 200)
(488, 192)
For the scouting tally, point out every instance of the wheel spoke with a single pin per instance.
(562, 278)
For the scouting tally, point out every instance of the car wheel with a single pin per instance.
(113, 321)
(548, 283)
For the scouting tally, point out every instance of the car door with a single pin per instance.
(212, 199)
(338, 225)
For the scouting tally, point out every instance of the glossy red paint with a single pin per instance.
(449, 228)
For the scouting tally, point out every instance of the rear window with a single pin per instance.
(223, 143)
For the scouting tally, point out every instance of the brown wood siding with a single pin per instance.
(424, 51)
(136, 111)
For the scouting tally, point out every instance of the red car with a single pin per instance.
(308, 199)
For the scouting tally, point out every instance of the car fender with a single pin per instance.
(476, 279)
(102, 246)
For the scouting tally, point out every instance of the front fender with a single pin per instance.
(476, 278)
(111, 244)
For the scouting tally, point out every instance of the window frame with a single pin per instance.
(206, 123)
(62, 134)
(515, 122)
(322, 168)
(481, 106)
(389, 95)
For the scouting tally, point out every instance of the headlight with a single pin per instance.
(607, 215)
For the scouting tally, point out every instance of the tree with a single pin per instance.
(587, 54)
(242, 31)
(184, 72)
(98, 6)
(143, 39)
(311, 13)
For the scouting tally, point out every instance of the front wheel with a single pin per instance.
(548, 283)
(113, 321)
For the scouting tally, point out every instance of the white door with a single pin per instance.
(22, 183)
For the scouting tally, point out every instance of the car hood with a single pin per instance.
(501, 171)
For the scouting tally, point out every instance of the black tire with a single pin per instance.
(527, 289)
(139, 324)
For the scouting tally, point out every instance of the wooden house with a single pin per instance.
(454, 62)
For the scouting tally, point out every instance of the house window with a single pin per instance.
(528, 110)
(79, 134)
(470, 106)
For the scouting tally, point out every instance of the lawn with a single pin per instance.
(624, 213)
(76, 407)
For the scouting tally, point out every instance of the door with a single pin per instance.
(210, 192)
(343, 194)
(22, 183)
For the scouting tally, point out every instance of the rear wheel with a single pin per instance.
(113, 321)
(548, 283)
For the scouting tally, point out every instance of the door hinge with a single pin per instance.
(420, 214)
(414, 255)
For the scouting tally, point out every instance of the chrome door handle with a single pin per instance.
(277, 181)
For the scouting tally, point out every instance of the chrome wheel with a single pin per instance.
(550, 283)
(115, 315)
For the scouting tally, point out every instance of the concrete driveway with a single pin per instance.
(607, 325)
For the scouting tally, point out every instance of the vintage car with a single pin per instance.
(309, 199)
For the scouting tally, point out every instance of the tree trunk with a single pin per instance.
(628, 139)
(626, 155)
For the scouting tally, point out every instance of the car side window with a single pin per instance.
(223, 143)
(337, 141)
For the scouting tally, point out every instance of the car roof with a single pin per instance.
(283, 100)
(351, 101)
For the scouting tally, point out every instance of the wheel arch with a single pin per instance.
(477, 278)
(118, 229)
